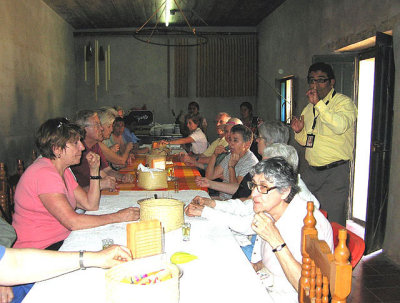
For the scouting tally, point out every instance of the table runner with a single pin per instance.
(185, 177)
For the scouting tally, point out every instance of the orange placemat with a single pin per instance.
(185, 178)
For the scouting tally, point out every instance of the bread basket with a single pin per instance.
(151, 180)
(168, 211)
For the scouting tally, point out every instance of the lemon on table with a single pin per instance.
(182, 257)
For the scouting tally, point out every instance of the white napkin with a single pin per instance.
(147, 169)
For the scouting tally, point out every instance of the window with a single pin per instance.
(286, 98)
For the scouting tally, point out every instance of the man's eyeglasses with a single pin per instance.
(319, 80)
(262, 189)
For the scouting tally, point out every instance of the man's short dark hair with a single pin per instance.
(323, 67)
(194, 104)
(246, 132)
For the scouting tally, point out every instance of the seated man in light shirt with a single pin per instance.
(199, 160)
(238, 215)
(268, 133)
(236, 164)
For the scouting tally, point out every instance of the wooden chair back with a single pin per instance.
(5, 200)
(324, 275)
(14, 179)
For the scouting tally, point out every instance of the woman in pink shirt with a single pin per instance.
(48, 194)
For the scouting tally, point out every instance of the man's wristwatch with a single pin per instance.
(95, 177)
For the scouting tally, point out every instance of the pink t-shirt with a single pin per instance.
(35, 226)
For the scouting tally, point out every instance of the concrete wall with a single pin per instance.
(139, 75)
(299, 29)
(37, 79)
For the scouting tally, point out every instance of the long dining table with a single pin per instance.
(221, 272)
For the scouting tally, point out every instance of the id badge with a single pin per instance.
(310, 140)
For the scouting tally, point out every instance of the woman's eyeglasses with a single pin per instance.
(262, 189)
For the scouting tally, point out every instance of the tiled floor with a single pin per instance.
(375, 279)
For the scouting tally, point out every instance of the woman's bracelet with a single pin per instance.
(81, 266)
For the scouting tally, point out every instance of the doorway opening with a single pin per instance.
(366, 76)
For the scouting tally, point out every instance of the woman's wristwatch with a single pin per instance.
(279, 247)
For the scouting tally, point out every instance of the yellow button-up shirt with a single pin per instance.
(334, 129)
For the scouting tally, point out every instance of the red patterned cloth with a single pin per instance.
(185, 178)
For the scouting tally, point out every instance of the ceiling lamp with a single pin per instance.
(144, 34)
(167, 11)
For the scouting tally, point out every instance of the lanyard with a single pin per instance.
(313, 110)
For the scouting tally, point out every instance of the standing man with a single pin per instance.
(326, 130)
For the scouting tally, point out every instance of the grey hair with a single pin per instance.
(244, 131)
(234, 121)
(285, 151)
(107, 115)
(82, 116)
(279, 172)
(224, 114)
(274, 132)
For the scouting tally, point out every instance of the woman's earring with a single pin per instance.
(59, 156)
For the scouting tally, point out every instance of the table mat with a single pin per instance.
(185, 176)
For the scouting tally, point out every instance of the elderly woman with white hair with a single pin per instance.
(237, 215)
(289, 153)
(274, 189)
(107, 117)
(280, 212)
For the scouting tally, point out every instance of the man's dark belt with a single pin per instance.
(330, 165)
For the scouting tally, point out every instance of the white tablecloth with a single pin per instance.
(221, 273)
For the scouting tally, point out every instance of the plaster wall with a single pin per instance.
(299, 29)
(141, 74)
(37, 79)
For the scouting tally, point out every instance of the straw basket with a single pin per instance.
(119, 292)
(168, 211)
(153, 180)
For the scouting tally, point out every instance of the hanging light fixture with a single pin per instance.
(145, 34)
(167, 12)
